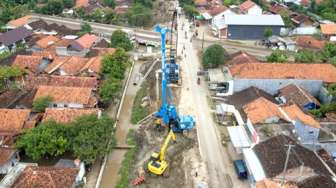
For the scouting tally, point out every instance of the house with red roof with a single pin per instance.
(79, 47)
(271, 77)
(250, 7)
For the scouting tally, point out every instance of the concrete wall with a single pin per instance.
(307, 134)
(250, 32)
(5, 168)
(68, 105)
(273, 85)
(63, 51)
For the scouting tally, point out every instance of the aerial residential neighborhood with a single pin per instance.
(168, 93)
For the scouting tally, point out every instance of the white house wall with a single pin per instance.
(272, 86)
(255, 10)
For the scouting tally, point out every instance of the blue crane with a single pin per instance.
(167, 112)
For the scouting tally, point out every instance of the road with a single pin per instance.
(194, 101)
(103, 29)
(233, 47)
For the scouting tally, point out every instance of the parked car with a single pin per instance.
(240, 168)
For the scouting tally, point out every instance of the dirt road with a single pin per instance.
(194, 102)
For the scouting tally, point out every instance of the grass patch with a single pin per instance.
(128, 161)
(139, 112)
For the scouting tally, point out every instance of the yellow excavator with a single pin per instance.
(157, 163)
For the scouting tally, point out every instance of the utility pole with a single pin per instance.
(203, 40)
(286, 162)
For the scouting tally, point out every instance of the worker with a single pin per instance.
(158, 124)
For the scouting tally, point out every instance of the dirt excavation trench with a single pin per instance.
(185, 166)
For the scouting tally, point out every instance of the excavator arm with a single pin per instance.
(171, 136)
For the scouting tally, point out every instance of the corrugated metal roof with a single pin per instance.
(268, 20)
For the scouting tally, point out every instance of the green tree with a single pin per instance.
(115, 64)
(40, 104)
(306, 56)
(68, 3)
(92, 137)
(80, 12)
(109, 3)
(213, 56)
(277, 56)
(268, 32)
(7, 73)
(85, 28)
(329, 50)
(190, 11)
(48, 139)
(332, 89)
(288, 21)
(119, 39)
(138, 15)
(110, 89)
(145, 3)
(53, 7)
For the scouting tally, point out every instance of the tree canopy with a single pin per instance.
(268, 32)
(52, 7)
(277, 56)
(7, 73)
(48, 139)
(213, 56)
(87, 138)
(139, 15)
(119, 39)
(110, 3)
(113, 68)
(40, 104)
(85, 28)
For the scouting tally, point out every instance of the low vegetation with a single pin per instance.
(128, 161)
(86, 138)
(277, 56)
(326, 55)
(7, 75)
(213, 56)
(85, 28)
(40, 104)
(138, 111)
(323, 110)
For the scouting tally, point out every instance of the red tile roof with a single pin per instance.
(82, 3)
(246, 5)
(328, 29)
(324, 72)
(20, 21)
(295, 113)
(6, 154)
(47, 41)
(86, 41)
(59, 94)
(200, 2)
(66, 115)
(32, 81)
(48, 54)
(261, 109)
(242, 57)
(73, 65)
(296, 94)
(57, 62)
(13, 120)
(27, 62)
(94, 64)
(309, 42)
(46, 177)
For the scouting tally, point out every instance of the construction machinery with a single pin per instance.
(167, 112)
(173, 69)
(157, 163)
